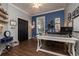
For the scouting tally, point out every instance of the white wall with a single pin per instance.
(14, 14)
(71, 8)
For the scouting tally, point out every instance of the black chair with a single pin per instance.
(6, 40)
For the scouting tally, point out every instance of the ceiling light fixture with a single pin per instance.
(36, 5)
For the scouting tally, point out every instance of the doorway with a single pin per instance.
(22, 30)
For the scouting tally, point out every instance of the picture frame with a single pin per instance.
(13, 23)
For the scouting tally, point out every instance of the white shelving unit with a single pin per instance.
(3, 15)
(3, 21)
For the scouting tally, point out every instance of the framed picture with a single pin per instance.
(13, 23)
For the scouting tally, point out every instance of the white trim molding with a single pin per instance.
(49, 12)
(19, 9)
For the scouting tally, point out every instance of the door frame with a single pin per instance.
(27, 29)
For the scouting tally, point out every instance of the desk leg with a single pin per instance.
(40, 43)
(69, 48)
(38, 47)
(73, 49)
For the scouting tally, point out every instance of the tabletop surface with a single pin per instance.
(61, 39)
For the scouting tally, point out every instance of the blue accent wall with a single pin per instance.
(48, 18)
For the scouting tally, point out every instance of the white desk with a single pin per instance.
(71, 42)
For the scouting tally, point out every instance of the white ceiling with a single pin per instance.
(44, 8)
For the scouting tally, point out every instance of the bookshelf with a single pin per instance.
(3, 15)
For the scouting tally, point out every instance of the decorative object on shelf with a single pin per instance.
(3, 21)
(1, 28)
(3, 15)
(13, 24)
(3, 10)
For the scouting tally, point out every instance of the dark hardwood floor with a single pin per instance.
(28, 48)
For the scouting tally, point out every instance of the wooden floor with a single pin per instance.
(28, 48)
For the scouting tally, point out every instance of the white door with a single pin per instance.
(40, 25)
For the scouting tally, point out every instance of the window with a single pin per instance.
(57, 24)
